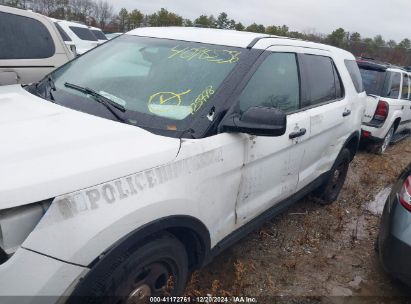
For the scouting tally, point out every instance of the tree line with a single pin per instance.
(101, 13)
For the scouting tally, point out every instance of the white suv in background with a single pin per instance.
(388, 110)
(30, 46)
(80, 34)
(120, 182)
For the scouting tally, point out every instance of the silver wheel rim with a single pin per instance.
(387, 140)
(139, 294)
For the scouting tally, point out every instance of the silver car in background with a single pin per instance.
(394, 240)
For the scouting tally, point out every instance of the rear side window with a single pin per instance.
(24, 38)
(63, 34)
(99, 35)
(373, 80)
(323, 80)
(355, 74)
(275, 84)
(405, 86)
(393, 85)
(83, 33)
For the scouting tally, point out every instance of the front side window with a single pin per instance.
(275, 84)
(405, 86)
(162, 84)
(393, 86)
(83, 33)
(321, 79)
(24, 38)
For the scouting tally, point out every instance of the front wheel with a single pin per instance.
(329, 191)
(156, 268)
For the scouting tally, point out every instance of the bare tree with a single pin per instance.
(103, 12)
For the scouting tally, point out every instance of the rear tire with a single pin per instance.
(382, 147)
(158, 267)
(329, 191)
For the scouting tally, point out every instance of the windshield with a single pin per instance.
(373, 80)
(99, 35)
(83, 33)
(162, 84)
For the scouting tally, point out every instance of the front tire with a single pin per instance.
(158, 267)
(329, 191)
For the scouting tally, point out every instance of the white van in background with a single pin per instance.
(101, 37)
(30, 46)
(80, 34)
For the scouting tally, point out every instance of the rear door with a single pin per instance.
(271, 164)
(329, 113)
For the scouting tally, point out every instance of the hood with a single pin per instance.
(48, 150)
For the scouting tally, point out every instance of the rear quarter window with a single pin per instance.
(392, 86)
(83, 33)
(24, 38)
(355, 74)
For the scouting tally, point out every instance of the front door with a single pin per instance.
(271, 164)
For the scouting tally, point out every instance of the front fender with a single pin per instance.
(80, 226)
(80, 237)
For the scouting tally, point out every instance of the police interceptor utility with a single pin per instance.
(139, 161)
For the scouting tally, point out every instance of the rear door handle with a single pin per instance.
(346, 113)
(299, 133)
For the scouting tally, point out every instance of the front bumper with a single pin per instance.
(28, 277)
(395, 240)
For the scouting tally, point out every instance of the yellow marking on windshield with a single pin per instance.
(160, 98)
(172, 101)
(201, 99)
(210, 55)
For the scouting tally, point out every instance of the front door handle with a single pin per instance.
(299, 133)
(346, 113)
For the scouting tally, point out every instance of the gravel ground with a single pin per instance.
(313, 253)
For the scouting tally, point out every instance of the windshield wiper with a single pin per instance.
(98, 97)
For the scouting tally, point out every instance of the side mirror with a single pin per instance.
(260, 121)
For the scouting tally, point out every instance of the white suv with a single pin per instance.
(120, 181)
(80, 35)
(30, 46)
(388, 107)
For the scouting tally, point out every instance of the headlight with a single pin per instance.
(17, 223)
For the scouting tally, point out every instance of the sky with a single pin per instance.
(390, 18)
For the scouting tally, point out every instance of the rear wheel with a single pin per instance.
(381, 148)
(329, 191)
(158, 267)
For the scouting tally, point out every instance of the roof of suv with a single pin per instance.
(230, 38)
(198, 34)
(379, 66)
